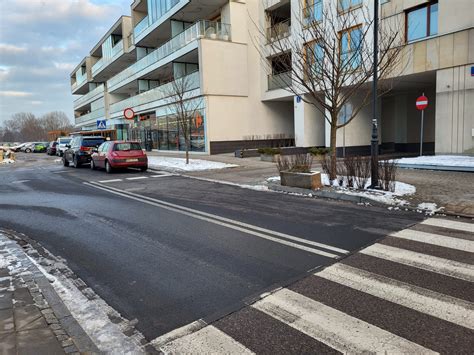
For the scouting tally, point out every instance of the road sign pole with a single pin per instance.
(421, 133)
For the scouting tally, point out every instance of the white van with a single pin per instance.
(61, 147)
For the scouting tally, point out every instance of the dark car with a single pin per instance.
(79, 150)
(51, 150)
(119, 154)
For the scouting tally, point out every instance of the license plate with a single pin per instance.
(131, 160)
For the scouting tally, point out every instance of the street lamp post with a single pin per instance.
(374, 146)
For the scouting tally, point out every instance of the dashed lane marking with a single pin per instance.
(107, 181)
(137, 178)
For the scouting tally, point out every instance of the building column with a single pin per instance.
(309, 125)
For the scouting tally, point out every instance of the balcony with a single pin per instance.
(93, 95)
(279, 81)
(140, 27)
(153, 95)
(201, 29)
(117, 51)
(279, 31)
(91, 116)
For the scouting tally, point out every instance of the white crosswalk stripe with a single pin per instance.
(436, 239)
(445, 223)
(332, 327)
(422, 261)
(345, 332)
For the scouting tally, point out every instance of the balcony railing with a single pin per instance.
(155, 94)
(279, 81)
(94, 115)
(201, 29)
(90, 96)
(103, 62)
(279, 31)
(141, 26)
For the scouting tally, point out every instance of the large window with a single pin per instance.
(312, 11)
(351, 47)
(314, 58)
(346, 5)
(422, 22)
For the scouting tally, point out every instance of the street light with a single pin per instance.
(374, 146)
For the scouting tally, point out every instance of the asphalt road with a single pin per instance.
(187, 250)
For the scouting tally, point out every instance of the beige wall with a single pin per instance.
(455, 110)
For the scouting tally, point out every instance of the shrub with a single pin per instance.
(300, 163)
(387, 175)
(319, 151)
(269, 151)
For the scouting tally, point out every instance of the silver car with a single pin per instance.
(61, 147)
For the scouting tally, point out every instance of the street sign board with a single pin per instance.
(129, 114)
(101, 124)
(422, 102)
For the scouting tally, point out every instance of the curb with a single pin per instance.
(80, 338)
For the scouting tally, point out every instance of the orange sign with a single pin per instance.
(198, 120)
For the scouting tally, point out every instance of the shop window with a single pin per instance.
(422, 22)
(350, 48)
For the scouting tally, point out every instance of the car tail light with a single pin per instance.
(84, 149)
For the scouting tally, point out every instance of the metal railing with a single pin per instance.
(200, 29)
(279, 31)
(90, 96)
(103, 62)
(94, 115)
(155, 94)
(279, 81)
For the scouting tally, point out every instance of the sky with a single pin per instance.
(41, 42)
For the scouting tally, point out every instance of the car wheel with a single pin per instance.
(108, 167)
(93, 167)
(28, 150)
(75, 162)
(143, 169)
(65, 162)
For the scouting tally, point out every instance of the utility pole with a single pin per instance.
(374, 146)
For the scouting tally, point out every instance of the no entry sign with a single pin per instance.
(129, 114)
(422, 102)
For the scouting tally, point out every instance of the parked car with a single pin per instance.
(119, 154)
(17, 148)
(28, 147)
(79, 150)
(61, 147)
(52, 148)
(40, 147)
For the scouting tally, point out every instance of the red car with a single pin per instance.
(119, 154)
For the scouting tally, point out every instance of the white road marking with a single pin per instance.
(159, 176)
(422, 261)
(333, 327)
(436, 239)
(209, 340)
(446, 223)
(225, 222)
(20, 181)
(138, 178)
(112, 180)
(420, 299)
(178, 333)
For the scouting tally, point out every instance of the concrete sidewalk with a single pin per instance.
(33, 319)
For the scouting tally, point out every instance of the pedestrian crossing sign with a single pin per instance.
(101, 124)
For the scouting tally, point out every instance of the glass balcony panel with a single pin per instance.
(279, 81)
(89, 96)
(141, 26)
(94, 115)
(279, 31)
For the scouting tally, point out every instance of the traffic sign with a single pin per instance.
(422, 102)
(129, 114)
(101, 124)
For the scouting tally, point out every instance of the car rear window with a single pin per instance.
(127, 146)
(92, 142)
(64, 140)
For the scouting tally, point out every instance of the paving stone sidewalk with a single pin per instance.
(33, 320)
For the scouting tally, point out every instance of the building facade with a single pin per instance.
(217, 45)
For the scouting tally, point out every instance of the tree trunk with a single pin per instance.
(333, 169)
(187, 152)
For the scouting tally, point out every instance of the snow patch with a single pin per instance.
(440, 160)
(180, 164)
(7, 161)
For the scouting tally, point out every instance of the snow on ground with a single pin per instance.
(429, 207)
(440, 160)
(7, 161)
(180, 164)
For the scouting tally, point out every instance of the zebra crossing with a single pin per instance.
(412, 292)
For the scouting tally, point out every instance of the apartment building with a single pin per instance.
(217, 46)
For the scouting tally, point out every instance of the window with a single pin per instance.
(127, 146)
(312, 11)
(350, 48)
(346, 5)
(314, 58)
(422, 22)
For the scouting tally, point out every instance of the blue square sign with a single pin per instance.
(101, 124)
(472, 71)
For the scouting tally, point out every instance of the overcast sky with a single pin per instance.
(41, 42)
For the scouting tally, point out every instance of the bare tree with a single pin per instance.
(328, 60)
(56, 121)
(183, 107)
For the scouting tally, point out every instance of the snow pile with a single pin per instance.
(7, 161)
(429, 207)
(439, 160)
(179, 164)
